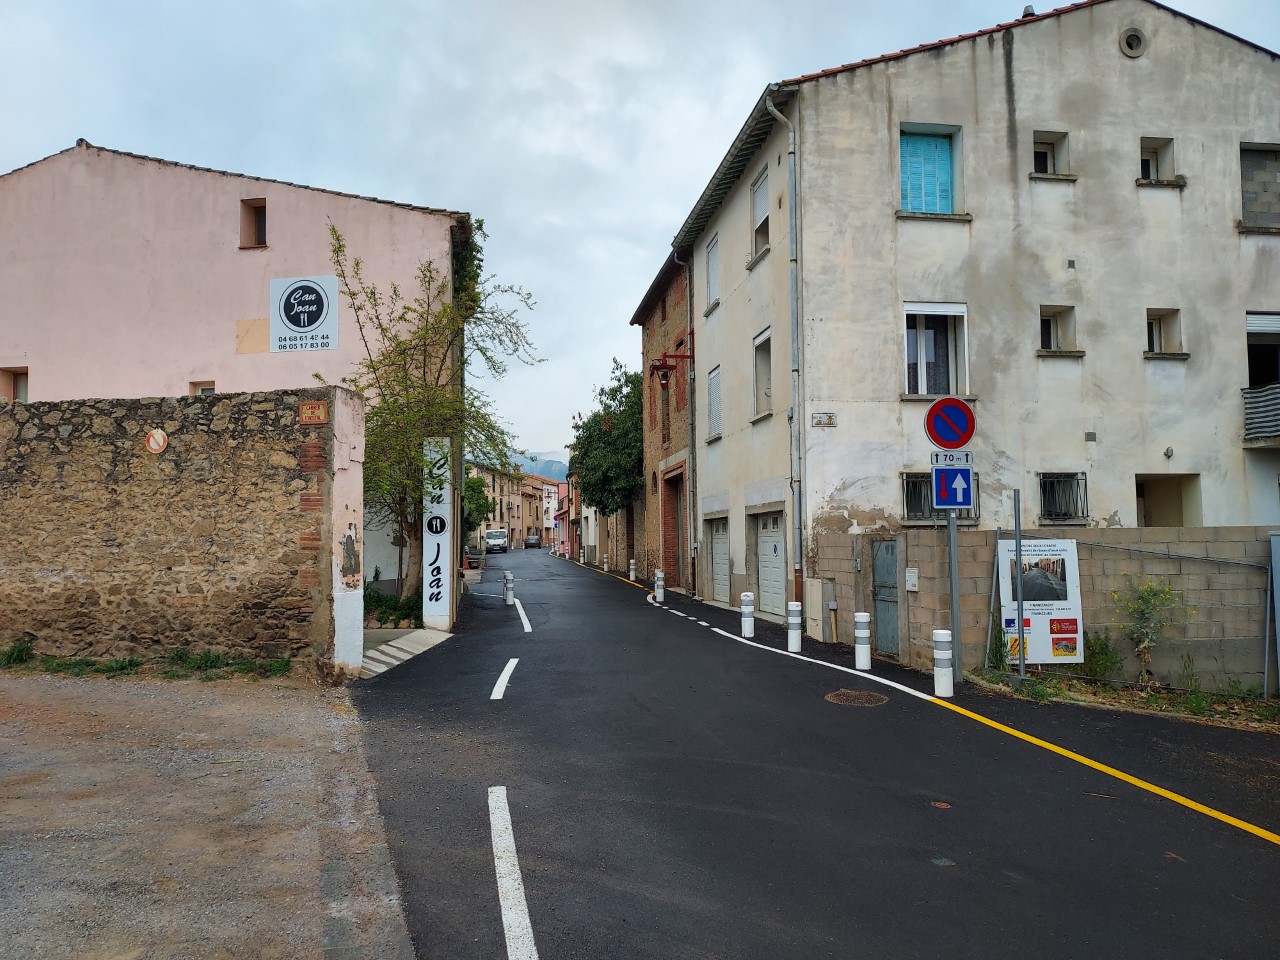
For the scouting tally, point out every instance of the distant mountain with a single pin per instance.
(542, 465)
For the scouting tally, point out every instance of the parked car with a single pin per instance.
(495, 541)
(532, 540)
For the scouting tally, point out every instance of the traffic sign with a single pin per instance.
(952, 458)
(949, 423)
(952, 488)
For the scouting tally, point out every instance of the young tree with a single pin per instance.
(418, 351)
(608, 444)
(477, 507)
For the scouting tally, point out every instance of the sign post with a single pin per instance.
(949, 424)
(437, 536)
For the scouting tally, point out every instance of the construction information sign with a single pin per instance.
(1052, 625)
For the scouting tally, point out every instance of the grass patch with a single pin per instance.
(178, 665)
(18, 652)
(175, 673)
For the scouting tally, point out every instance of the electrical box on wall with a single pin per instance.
(913, 580)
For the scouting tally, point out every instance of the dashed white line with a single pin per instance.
(523, 618)
(500, 687)
(515, 909)
(703, 623)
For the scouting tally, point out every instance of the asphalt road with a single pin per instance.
(675, 793)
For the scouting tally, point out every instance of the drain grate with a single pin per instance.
(856, 698)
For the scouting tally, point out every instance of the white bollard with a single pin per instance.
(793, 626)
(582, 557)
(943, 680)
(862, 641)
(748, 615)
(606, 563)
(508, 588)
(631, 570)
(659, 586)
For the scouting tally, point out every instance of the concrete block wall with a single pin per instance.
(243, 536)
(1260, 187)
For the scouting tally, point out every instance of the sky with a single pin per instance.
(581, 132)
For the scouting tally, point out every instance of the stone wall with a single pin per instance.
(227, 540)
(1221, 572)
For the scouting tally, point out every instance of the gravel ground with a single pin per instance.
(150, 819)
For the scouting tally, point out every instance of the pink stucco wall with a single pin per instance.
(124, 277)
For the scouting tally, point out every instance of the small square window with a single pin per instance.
(1063, 498)
(1057, 327)
(1155, 160)
(760, 214)
(1164, 331)
(1043, 158)
(13, 385)
(201, 388)
(1049, 153)
(253, 223)
(917, 500)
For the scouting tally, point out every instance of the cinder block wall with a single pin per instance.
(1221, 572)
(228, 540)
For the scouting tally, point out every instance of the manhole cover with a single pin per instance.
(856, 698)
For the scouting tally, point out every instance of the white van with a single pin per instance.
(495, 541)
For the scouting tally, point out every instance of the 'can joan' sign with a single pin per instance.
(304, 314)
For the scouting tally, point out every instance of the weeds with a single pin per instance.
(178, 665)
(18, 652)
(1150, 607)
(1101, 658)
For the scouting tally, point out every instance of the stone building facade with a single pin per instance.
(238, 531)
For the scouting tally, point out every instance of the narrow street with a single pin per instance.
(672, 792)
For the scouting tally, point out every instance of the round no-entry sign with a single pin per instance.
(949, 423)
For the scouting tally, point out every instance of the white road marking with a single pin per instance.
(500, 687)
(865, 674)
(523, 618)
(703, 623)
(515, 909)
(495, 596)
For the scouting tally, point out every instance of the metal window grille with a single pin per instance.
(1063, 497)
(917, 499)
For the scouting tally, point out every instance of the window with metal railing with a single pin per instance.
(1063, 498)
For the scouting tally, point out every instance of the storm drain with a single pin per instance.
(856, 698)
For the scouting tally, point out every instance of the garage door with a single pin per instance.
(771, 567)
(720, 560)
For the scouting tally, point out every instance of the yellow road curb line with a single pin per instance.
(1118, 774)
(587, 566)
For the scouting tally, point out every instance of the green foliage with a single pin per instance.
(608, 445)
(18, 652)
(476, 506)
(419, 352)
(1101, 658)
(998, 658)
(387, 609)
(1150, 607)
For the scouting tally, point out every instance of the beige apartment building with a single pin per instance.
(1072, 220)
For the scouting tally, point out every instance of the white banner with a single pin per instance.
(1050, 601)
(437, 536)
(304, 314)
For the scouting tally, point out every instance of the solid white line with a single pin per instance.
(866, 674)
(496, 596)
(500, 687)
(515, 909)
(523, 618)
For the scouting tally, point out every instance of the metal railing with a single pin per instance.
(1261, 412)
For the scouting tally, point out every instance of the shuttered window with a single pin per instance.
(713, 404)
(760, 214)
(926, 173)
(713, 270)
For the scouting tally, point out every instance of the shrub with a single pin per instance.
(1149, 607)
(20, 651)
(1101, 659)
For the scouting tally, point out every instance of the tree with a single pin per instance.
(477, 507)
(608, 444)
(418, 351)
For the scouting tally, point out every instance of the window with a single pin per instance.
(935, 349)
(253, 223)
(917, 500)
(200, 388)
(763, 373)
(13, 385)
(713, 404)
(760, 215)
(1263, 345)
(713, 274)
(1155, 161)
(927, 172)
(1063, 498)
(1164, 331)
(1057, 328)
(666, 415)
(1260, 187)
(1049, 154)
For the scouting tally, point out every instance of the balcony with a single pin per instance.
(1262, 415)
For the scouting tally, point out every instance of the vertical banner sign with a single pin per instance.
(1051, 601)
(304, 314)
(437, 536)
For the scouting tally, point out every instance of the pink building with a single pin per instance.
(128, 276)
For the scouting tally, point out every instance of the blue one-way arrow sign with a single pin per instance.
(952, 488)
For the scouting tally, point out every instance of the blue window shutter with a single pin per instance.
(925, 173)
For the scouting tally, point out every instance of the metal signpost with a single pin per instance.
(949, 425)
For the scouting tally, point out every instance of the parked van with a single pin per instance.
(495, 541)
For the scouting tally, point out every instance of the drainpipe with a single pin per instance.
(797, 486)
(691, 507)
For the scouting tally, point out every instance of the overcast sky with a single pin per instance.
(582, 132)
